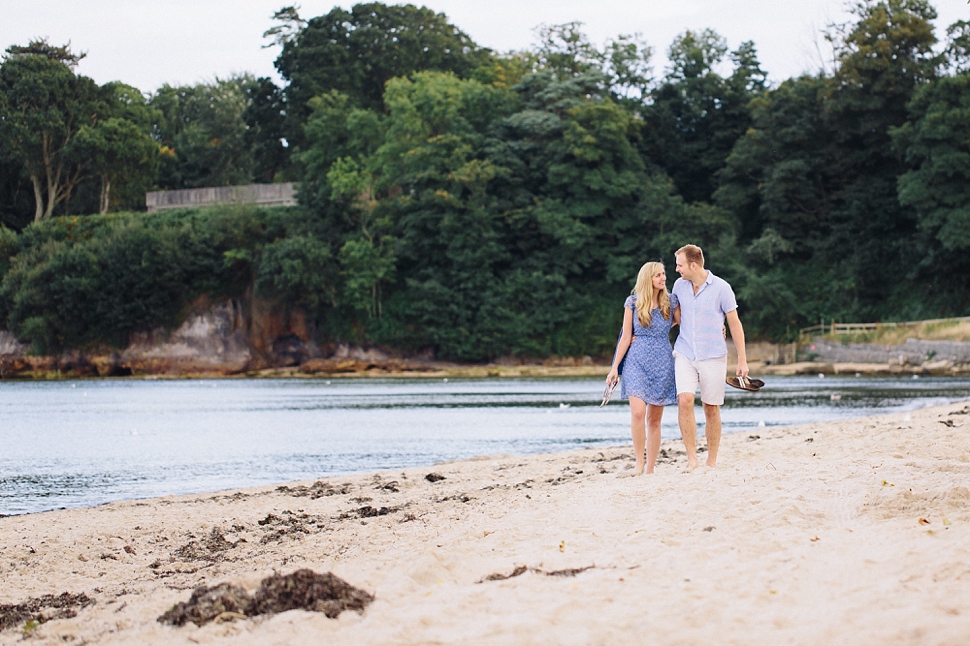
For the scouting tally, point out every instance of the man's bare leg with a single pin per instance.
(638, 413)
(688, 427)
(713, 432)
(654, 415)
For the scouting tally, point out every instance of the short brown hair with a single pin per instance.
(691, 253)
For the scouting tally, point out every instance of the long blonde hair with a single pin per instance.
(644, 292)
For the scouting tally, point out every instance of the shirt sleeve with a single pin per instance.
(728, 302)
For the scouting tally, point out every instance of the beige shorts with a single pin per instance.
(709, 373)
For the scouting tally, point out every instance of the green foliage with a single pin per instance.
(357, 52)
(297, 270)
(203, 131)
(265, 117)
(697, 115)
(117, 149)
(44, 104)
(818, 169)
(478, 204)
(937, 145)
(8, 247)
(82, 282)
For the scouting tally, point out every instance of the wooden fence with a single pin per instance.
(258, 194)
(834, 328)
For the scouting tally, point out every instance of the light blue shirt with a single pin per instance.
(702, 317)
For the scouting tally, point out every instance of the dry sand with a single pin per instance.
(853, 532)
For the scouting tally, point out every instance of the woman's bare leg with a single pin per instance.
(654, 416)
(638, 414)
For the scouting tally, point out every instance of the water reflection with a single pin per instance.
(82, 443)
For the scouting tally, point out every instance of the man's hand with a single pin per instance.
(742, 370)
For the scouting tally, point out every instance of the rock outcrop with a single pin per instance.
(224, 338)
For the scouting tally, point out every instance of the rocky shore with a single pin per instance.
(232, 339)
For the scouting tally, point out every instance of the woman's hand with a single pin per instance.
(612, 378)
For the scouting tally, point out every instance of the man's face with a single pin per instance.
(682, 267)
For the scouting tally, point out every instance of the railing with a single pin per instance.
(258, 194)
(850, 328)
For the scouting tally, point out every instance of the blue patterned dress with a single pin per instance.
(648, 369)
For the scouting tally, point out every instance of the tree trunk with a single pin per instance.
(105, 193)
(38, 198)
(52, 190)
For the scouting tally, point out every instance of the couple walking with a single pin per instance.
(654, 377)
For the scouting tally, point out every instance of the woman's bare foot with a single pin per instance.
(636, 471)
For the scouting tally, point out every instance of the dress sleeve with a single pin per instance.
(631, 302)
(674, 301)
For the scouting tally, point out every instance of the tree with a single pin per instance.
(356, 52)
(115, 148)
(44, 105)
(819, 170)
(297, 270)
(936, 142)
(203, 130)
(624, 61)
(781, 173)
(884, 58)
(265, 118)
(697, 115)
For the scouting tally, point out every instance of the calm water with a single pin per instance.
(65, 444)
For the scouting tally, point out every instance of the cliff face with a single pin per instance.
(224, 338)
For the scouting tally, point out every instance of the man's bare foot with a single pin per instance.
(711, 463)
(692, 465)
(637, 471)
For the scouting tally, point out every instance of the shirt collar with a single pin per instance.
(707, 283)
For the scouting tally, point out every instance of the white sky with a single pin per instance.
(146, 43)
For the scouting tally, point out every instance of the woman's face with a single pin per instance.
(660, 280)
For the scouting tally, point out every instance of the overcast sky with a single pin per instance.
(146, 43)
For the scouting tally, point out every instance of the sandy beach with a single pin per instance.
(838, 533)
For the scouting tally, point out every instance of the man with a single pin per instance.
(700, 354)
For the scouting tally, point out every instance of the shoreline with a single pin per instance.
(806, 368)
(836, 532)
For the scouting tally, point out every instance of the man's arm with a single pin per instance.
(737, 333)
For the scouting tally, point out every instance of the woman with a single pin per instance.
(648, 373)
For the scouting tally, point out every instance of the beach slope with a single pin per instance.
(837, 533)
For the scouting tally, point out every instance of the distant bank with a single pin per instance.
(227, 340)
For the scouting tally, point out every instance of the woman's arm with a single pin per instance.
(626, 338)
(675, 316)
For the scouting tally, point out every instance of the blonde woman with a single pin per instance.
(648, 372)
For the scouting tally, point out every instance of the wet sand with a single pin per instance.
(839, 533)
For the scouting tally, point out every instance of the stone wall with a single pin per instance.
(258, 194)
(914, 352)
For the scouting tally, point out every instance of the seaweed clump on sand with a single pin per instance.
(307, 590)
(300, 590)
(41, 609)
(206, 604)
(209, 548)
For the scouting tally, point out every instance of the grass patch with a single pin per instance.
(896, 334)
